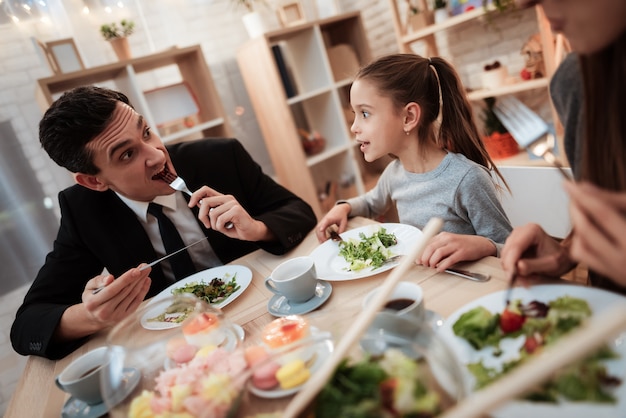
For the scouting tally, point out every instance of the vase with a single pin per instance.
(441, 15)
(121, 48)
(255, 24)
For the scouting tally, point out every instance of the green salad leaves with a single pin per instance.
(368, 251)
(586, 380)
(215, 291)
(393, 385)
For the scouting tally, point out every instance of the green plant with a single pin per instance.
(248, 4)
(441, 4)
(113, 30)
(499, 5)
(491, 121)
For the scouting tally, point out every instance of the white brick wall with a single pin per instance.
(217, 26)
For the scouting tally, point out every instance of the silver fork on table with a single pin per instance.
(177, 183)
(529, 130)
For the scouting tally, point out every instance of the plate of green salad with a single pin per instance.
(490, 339)
(364, 251)
(218, 286)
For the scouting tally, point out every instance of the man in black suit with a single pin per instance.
(106, 233)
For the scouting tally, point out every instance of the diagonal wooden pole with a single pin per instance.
(318, 379)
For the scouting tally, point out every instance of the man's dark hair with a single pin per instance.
(75, 119)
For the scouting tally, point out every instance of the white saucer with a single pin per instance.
(75, 408)
(280, 306)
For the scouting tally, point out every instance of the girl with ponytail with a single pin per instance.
(415, 109)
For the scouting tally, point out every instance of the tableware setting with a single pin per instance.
(241, 275)
(296, 287)
(81, 379)
(181, 369)
(557, 299)
(331, 266)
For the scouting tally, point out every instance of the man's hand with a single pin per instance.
(217, 210)
(118, 299)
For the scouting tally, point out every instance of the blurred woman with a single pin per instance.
(597, 33)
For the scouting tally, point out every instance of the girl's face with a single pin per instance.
(589, 25)
(378, 125)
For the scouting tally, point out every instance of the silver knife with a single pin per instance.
(477, 277)
(97, 290)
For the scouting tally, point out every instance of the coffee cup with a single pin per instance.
(295, 279)
(81, 378)
(402, 312)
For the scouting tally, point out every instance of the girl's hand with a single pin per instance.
(338, 215)
(599, 222)
(446, 249)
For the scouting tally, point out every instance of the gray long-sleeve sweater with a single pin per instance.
(459, 191)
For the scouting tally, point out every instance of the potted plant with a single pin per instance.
(498, 141)
(417, 18)
(117, 35)
(253, 19)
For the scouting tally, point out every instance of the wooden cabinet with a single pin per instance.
(183, 65)
(552, 52)
(306, 89)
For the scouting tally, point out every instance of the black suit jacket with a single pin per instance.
(99, 231)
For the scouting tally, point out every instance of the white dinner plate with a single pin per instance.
(242, 275)
(330, 266)
(598, 301)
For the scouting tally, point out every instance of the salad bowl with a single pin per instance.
(196, 368)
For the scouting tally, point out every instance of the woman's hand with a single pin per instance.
(446, 249)
(599, 222)
(338, 215)
(530, 250)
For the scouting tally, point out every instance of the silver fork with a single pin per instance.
(529, 130)
(177, 183)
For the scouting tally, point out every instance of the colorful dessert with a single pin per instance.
(208, 385)
(293, 374)
(286, 330)
(203, 330)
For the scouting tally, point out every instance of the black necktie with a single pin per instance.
(181, 263)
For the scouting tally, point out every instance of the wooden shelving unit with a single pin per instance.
(123, 76)
(318, 102)
(406, 38)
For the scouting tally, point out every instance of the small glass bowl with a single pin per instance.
(196, 366)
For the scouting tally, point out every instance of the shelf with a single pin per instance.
(509, 89)
(193, 71)
(446, 24)
(306, 55)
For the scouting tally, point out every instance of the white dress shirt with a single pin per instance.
(175, 207)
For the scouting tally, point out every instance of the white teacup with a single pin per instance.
(406, 299)
(402, 314)
(294, 279)
(81, 378)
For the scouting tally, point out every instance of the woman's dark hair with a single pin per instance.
(406, 78)
(604, 144)
(75, 119)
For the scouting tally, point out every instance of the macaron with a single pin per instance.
(264, 376)
(293, 374)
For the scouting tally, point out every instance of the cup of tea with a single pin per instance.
(294, 279)
(402, 315)
(81, 378)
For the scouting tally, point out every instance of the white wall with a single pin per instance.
(216, 25)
